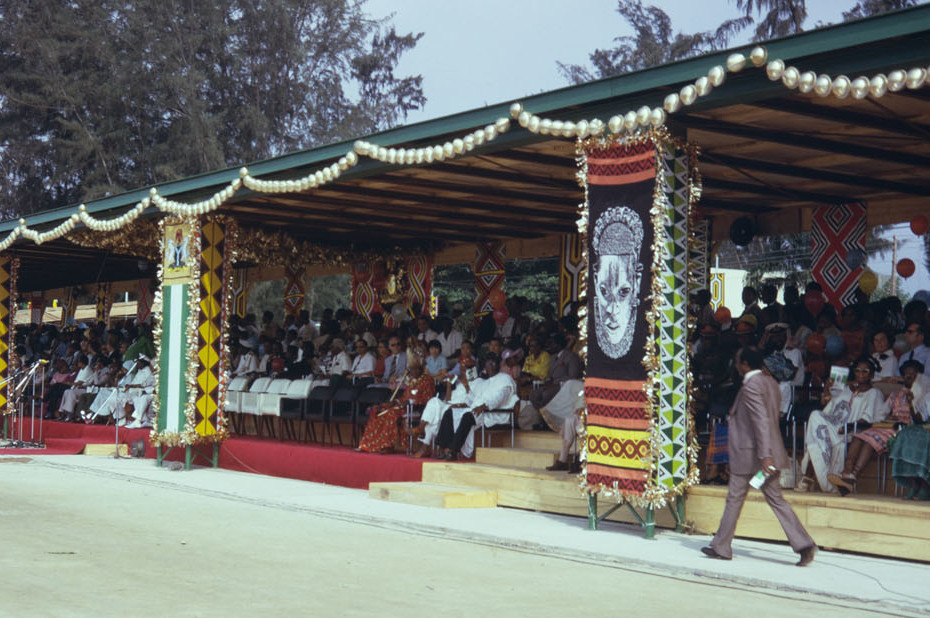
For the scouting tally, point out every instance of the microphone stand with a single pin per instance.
(17, 395)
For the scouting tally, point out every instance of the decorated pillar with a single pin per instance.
(294, 289)
(419, 281)
(836, 231)
(489, 275)
(36, 307)
(218, 237)
(571, 265)
(699, 250)
(68, 307)
(364, 298)
(176, 334)
(9, 267)
(638, 446)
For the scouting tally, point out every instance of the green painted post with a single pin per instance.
(188, 456)
(159, 455)
(6, 426)
(680, 509)
(650, 523)
(592, 511)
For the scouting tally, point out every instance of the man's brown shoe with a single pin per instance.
(807, 555)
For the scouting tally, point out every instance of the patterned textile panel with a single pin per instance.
(618, 428)
(213, 267)
(240, 291)
(103, 302)
(571, 264)
(146, 299)
(835, 231)
(419, 281)
(293, 290)
(364, 298)
(489, 275)
(7, 266)
(621, 180)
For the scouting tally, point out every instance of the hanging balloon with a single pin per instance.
(816, 344)
(905, 267)
(868, 281)
(398, 312)
(498, 298)
(500, 316)
(722, 315)
(855, 258)
(741, 231)
(813, 302)
(919, 225)
(835, 346)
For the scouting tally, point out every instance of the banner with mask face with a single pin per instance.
(621, 181)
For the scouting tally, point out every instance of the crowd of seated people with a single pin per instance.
(379, 370)
(856, 381)
(95, 374)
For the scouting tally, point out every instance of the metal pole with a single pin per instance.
(894, 262)
(592, 511)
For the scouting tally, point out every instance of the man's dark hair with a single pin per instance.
(752, 356)
(921, 330)
(493, 358)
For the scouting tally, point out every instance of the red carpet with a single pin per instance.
(334, 465)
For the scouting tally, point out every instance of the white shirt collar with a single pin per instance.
(750, 374)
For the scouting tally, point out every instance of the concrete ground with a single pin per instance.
(83, 536)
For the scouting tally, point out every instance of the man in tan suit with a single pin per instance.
(754, 444)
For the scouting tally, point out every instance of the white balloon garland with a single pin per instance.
(632, 121)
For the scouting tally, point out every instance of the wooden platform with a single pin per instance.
(880, 525)
(432, 494)
(106, 450)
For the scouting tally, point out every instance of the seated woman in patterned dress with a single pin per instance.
(381, 431)
(901, 408)
(858, 401)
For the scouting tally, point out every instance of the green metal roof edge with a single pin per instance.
(890, 25)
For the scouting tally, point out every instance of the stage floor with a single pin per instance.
(333, 465)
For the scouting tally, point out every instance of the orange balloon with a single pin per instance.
(919, 225)
(905, 267)
(722, 315)
(497, 298)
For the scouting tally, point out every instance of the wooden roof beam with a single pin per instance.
(796, 140)
(796, 171)
(774, 191)
(731, 206)
(845, 116)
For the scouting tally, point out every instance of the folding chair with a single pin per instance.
(269, 403)
(513, 412)
(248, 402)
(294, 406)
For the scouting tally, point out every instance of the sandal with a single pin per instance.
(422, 452)
(806, 484)
(844, 484)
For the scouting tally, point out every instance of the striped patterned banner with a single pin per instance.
(172, 374)
(210, 378)
(489, 275)
(294, 290)
(835, 231)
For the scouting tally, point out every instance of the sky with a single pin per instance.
(483, 52)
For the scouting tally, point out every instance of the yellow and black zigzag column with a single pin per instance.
(8, 267)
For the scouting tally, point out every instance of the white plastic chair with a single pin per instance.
(293, 405)
(269, 403)
(248, 402)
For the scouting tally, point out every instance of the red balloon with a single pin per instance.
(905, 267)
(722, 315)
(813, 301)
(497, 298)
(500, 316)
(919, 225)
(816, 344)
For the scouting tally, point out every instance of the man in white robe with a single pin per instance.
(133, 398)
(563, 414)
(457, 427)
(69, 398)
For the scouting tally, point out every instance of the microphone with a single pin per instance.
(42, 361)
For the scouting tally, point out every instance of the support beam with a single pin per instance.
(844, 115)
(795, 171)
(753, 189)
(729, 206)
(786, 138)
(472, 189)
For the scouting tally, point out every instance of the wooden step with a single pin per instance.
(535, 490)
(516, 457)
(435, 495)
(538, 439)
(106, 450)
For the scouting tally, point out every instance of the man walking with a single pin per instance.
(754, 444)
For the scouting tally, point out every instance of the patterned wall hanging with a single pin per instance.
(621, 180)
(419, 281)
(489, 275)
(571, 265)
(146, 300)
(103, 301)
(836, 230)
(240, 291)
(364, 299)
(294, 290)
(717, 288)
(216, 238)
(638, 445)
(9, 267)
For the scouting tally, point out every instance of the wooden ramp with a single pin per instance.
(870, 524)
(435, 495)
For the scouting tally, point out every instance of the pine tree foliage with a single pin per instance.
(100, 97)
